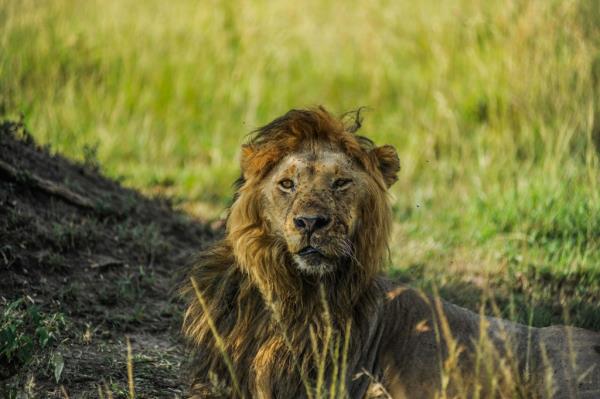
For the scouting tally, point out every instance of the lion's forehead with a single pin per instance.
(315, 162)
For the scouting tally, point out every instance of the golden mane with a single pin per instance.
(264, 309)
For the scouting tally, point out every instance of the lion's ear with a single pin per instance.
(246, 155)
(255, 161)
(389, 163)
(248, 159)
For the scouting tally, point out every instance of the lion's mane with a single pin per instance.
(265, 312)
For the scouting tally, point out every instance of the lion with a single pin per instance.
(293, 302)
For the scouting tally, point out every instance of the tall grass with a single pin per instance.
(493, 105)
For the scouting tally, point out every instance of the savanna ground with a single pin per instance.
(494, 107)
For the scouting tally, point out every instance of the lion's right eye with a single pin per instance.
(286, 184)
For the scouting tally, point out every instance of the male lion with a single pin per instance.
(293, 302)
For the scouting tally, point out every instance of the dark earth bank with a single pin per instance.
(86, 264)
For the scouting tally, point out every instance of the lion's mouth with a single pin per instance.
(311, 260)
(309, 250)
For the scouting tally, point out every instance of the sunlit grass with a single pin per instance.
(493, 106)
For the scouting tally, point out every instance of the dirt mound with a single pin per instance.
(85, 263)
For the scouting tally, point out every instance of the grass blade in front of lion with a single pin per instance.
(130, 380)
(218, 338)
(344, 365)
(286, 339)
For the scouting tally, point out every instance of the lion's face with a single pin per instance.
(311, 201)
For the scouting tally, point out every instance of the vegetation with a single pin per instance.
(23, 329)
(28, 335)
(494, 107)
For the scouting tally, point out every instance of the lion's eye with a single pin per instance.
(341, 183)
(286, 184)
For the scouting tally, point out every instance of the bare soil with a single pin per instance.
(107, 258)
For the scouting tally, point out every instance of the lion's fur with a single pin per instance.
(258, 307)
(273, 321)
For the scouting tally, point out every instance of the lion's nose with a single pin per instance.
(310, 224)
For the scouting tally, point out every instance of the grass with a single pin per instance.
(493, 106)
(25, 333)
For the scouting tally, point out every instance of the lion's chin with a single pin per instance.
(314, 264)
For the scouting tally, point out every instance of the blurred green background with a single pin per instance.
(494, 107)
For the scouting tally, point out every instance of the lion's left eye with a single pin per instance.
(341, 183)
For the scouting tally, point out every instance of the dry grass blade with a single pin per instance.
(344, 365)
(335, 357)
(218, 339)
(130, 380)
(329, 330)
(276, 315)
(109, 394)
(376, 388)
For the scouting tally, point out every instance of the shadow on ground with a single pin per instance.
(85, 263)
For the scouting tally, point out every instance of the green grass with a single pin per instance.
(25, 332)
(493, 106)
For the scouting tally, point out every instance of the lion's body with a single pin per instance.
(293, 303)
